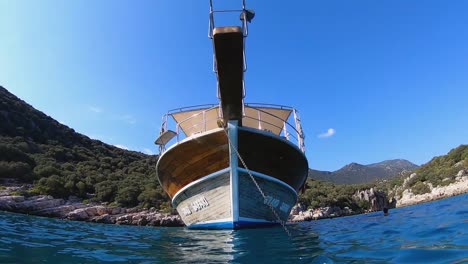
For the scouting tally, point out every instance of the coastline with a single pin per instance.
(74, 209)
(408, 198)
(460, 186)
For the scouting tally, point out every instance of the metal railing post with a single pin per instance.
(299, 136)
(211, 21)
(285, 131)
(259, 120)
(204, 121)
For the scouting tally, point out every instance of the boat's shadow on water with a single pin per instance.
(270, 244)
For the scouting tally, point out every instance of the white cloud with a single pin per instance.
(330, 132)
(94, 109)
(128, 119)
(148, 151)
(121, 146)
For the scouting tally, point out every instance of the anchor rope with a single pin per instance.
(278, 218)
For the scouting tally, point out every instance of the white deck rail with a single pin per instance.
(189, 121)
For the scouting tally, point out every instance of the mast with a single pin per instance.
(229, 63)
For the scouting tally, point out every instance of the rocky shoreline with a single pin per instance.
(460, 186)
(376, 199)
(74, 209)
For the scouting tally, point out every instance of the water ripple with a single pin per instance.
(434, 232)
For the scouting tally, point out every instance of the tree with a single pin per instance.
(152, 197)
(128, 196)
(81, 187)
(53, 185)
(105, 191)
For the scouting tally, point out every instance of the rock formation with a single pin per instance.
(299, 214)
(46, 205)
(377, 199)
(460, 186)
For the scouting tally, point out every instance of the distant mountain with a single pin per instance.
(358, 173)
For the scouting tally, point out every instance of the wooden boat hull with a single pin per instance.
(211, 189)
(207, 203)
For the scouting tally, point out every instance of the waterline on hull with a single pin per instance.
(241, 224)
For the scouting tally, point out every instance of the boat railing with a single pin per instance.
(192, 108)
(202, 108)
(198, 121)
(196, 125)
(297, 137)
(204, 121)
(284, 133)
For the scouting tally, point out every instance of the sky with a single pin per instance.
(372, 80)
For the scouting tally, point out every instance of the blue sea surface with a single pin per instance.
(435, 232)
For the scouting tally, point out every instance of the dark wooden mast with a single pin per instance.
(228, 45)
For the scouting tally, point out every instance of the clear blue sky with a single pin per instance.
(389, 77)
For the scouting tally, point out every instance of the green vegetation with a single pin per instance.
(446, 166)
(420, 188)
(34, 148)
(108, 175)
(321, 194)
(440, 170)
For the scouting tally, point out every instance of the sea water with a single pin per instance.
(435, 232)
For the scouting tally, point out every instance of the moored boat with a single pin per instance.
(232, 165)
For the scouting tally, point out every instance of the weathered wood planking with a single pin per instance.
(274, 157)
(206, 201)
(252, 204)
(192, 160)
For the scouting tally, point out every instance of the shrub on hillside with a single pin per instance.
(128, 196)
(420, 188)
(105, 191)
(53, 185)
(17, 170)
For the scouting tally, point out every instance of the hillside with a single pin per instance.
(441, 177)
(355, 173)
(34, 148)
(438, 172)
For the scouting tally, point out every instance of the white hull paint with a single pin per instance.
(202, 203)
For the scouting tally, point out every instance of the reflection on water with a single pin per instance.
(36, 239)
(247, 246)
(433, 232)
(244, 246)
(199, 246)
